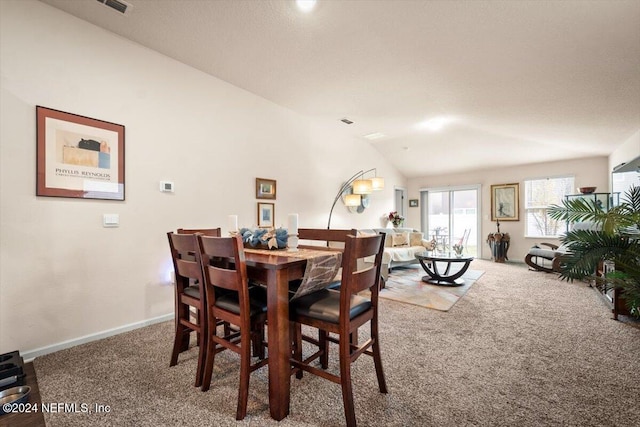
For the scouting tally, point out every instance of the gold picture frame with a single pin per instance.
(266, 215)
(505, 204)
(265, 188)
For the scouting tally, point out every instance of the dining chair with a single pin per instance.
(328, 238)
(342, 313)
(189, 293)
(224, 268)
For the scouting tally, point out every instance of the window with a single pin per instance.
(539, 195)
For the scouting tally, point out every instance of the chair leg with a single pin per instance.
(257, 338)
(210, 357)
(181, 339)
(202, 346)
(323, 343)
(297, 347)
(243, 389)
(377, 359)
(345, 382)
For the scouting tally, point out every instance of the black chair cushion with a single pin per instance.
(325, 305)
(192, 291)
(257, 296)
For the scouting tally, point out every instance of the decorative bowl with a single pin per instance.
(587, 190)
(14, 395)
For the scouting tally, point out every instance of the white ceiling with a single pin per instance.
(523, 81)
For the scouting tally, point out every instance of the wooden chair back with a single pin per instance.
(354, 280)
(186, 259)
(325, 235)
(214, 232)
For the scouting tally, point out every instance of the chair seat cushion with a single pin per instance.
(257, 301)
(325, 305)
(543, 253)
(192, 291)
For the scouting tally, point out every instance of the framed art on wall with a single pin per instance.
(413, 203)
(78, 156)
(504, 202)
(266, 215)
(265, 188)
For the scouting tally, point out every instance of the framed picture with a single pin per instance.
(265, 188)
(504, 202)
(413, 203)
(78, 156)
(266, 215)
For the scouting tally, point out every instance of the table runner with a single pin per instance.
(321, 270)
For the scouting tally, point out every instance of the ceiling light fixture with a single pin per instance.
(374, 136)
(306, 5)
(436, 124)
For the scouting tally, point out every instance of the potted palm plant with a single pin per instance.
(615, 237)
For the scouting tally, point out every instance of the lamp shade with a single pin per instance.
(377, 183)
(352, 200)
(362, 186)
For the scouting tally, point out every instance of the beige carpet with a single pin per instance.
(520, 349)
(405, 285)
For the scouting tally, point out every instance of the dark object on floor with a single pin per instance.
(11, 370)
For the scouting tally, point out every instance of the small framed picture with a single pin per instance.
(413, 203)
(504, 202)
(265, 188)
(266, 215)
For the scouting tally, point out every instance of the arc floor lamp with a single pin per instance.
(356, 191)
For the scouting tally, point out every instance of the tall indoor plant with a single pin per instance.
(615, 237)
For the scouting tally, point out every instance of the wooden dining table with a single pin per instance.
(275, 269)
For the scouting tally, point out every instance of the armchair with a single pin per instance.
(542, 259)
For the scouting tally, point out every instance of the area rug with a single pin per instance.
(405, 285)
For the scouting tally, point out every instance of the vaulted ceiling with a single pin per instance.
(506, 82)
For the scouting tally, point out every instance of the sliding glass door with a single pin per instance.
(450, 216)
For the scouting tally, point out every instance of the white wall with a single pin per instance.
(588, 172)
(626, 151)
(64, 276)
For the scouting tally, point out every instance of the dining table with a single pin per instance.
(275, 269)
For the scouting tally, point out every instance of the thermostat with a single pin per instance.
(166, 186)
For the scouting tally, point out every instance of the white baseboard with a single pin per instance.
(28, 356)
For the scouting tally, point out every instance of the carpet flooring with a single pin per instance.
(522, 348)
(405, 285)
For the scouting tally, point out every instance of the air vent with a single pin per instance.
(347, 121)
(117, 5)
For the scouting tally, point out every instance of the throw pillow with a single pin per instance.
(415, 239)
(400, 239)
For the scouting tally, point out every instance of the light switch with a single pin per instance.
(110, 220)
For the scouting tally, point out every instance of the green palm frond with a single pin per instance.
(617, 239)
(586, 248)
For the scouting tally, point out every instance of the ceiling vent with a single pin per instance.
(117, 5)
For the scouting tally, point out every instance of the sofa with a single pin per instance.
(401, 247)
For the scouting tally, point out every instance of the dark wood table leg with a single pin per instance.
(437, 278)
(279, 346)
